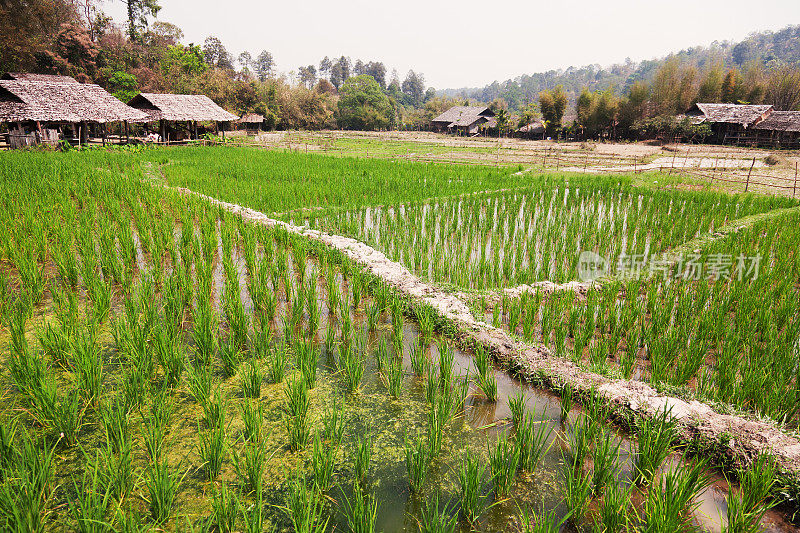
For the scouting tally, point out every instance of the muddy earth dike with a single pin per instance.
(729, 441)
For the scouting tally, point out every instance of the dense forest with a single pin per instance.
(145, 54)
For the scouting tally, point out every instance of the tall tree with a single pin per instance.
(377, 70)
(325, 67)
(245, 60)
(414, 87)
(783, 88)
(216, 54)
(263, 65)
(340, 71)
(308, 75)
(553, 103)
(139, 13)
(363, 105)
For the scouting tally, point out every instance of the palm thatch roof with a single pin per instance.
(30, 76)
(463, 115)
(60, 99)
(743, 115)
(251, 118)
(180, 107)
(533, 127)
(780, 121)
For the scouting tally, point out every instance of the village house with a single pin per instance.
(730, 123)
(177, 115)
(251, 122)
(465, 120)
(42, 108)
(779, 129)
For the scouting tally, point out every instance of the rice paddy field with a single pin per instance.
(168, 366)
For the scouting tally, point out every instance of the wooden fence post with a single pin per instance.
(747, 185)
(794, 190)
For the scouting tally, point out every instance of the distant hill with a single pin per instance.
(767, 49)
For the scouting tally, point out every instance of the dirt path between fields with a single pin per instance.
(730, 441)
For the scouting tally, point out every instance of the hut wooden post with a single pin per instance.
(223, 131)
(162, 129)
(794, 190)
(127, 138)
(84, 133)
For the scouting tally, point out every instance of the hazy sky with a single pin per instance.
(470, 43)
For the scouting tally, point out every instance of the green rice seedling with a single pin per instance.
(419, 359)
(333, 424)
(296, 414)
(100, 294)
(134, 387)
(431, 385)
(323, 462)
(212, 448)
(297, 398)
(503, 462)
(249, 465)
(214, 410)
(361, 510)
(670, 505)
(307, 362)
(426, 317)
(251, 379)
(25, 497)
(55, 344)
(566, 398)
(169, 355)
(204, 333)
(531, 442)
(162, 487)
(253, 517)
(62, 415)
(614, 513)
(395, 378)
(276, 365)
(352, 365)
(225, 506)
(577, 488)
(116, 424)
(116, 468)
(654, 439)
(199, 383)
(747, 505)
(252, 418)
(516, 404)
(231, 356)
(437, 518)
(373, 316)
(305, 508)
(363, 456)
(474, 501)
(446, 359)
(437, 417)
(8, 450)
(357, 286)
(128, 521)
(91, 501)
(381, 355)
(486, 380)
(605, 455)
(418, 461)
(88, 365)
(531, 522)
(156, 423)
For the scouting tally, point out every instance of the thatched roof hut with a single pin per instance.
(465, 119)
(55, 99)
(251, 118)
(180, 108)
(744, 116)
(780, 121)
(31, 76)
